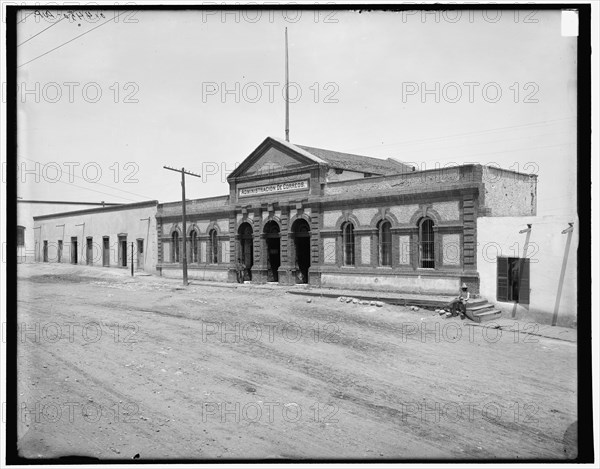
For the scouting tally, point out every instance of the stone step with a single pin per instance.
(480, 307)
(487, 315)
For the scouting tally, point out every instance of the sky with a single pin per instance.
(99, 116)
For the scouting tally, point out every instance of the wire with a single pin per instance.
(25, 17)
(99, 192)
(70, 40)
(45, 29)
(408, 142)
(496, 152)
(98, 183)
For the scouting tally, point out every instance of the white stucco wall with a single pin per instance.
(130, 220)
(499, 236)
(26, 210)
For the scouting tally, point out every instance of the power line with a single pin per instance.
(408, 142)
(45, 29)
(471, 143)
(69, 41)
(515, 150)
(99, 183)
(99, 192)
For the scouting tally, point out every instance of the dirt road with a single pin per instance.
(112, 367)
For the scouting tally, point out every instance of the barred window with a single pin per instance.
(175, 247)
(385, 243)
(348, 243)
(213, 247)
(426, 244)
(194, 246)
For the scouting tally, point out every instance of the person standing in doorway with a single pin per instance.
(515, 274)
(240, 269)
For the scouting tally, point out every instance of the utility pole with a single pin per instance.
(184, 246)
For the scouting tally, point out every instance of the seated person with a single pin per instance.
(459, 305)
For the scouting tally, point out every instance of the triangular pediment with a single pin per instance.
(273, 156)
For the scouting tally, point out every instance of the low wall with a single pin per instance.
(197, 274)
(400, 284)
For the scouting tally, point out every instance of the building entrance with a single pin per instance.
(246, 252)
(301, 233)
(273, 241)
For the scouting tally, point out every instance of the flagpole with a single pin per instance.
(287, 91)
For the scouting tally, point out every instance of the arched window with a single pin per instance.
(385, 243)
(348, 243)
(426, 244)
(194, 246)
(213, 247)
(175, 247)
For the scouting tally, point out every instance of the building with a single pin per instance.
(27, 209)
(296, 214)
(528, 267)
(114, 236)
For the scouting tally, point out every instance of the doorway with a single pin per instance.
(273, 241)
(140, 254)
(60, 249)
(45, 251)
(89, 251)
(123, 251)
(105, 251)
(74, 250)
(246, 253)
(301, 233)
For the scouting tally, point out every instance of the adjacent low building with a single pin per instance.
(27, 209)
(528, 267)
(114, 236)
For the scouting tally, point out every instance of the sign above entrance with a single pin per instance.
(275, 188)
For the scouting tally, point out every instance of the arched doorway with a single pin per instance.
(246, 250)
(301, 234)
(273, 250)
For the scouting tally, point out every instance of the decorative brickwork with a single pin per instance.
(225, 252)
(404, 247)
(364, 215)
(403, 213)
(329, 250)
(203, 252)
(330, 217)
(447, 211)
(451, 249)
(365, 250)
(223, 224)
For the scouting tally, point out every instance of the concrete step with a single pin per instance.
(487, 315)
(479, 308)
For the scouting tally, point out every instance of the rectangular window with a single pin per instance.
(20, 236)
(513, 280)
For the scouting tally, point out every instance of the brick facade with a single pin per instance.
(296, 216)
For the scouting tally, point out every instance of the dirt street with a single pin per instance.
(114, 367)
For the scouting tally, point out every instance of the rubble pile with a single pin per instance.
(356, 301)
